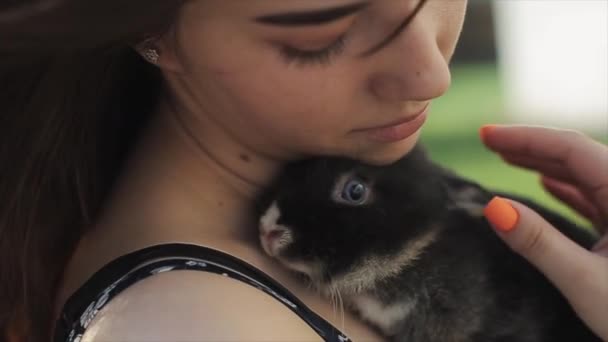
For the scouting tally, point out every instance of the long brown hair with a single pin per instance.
(73, 93)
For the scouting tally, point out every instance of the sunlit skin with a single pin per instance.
(239, 105)
(275, 109)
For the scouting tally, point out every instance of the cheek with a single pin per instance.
(247, 83)
(284, 110)
(301, 106)
(306, 114)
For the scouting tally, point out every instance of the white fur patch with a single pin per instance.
(375, 268)
(268, 221)
(385, 317)
(466, 200)
(269, 225)
(274, 246)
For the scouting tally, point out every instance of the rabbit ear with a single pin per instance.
(465, 195)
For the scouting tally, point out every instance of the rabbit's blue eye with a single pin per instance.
(355, 192)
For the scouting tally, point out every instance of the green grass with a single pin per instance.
(451, 136)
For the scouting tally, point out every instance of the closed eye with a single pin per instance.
(320, 56)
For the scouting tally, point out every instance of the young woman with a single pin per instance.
(128, 127)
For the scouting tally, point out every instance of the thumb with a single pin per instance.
(560, 259)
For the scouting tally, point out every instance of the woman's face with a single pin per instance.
(290, 78)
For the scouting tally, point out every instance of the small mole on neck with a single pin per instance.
(245, 158)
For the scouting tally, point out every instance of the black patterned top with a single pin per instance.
(82, 307)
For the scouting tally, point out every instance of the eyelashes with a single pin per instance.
(321, 57)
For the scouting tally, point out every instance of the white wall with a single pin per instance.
(553, 60)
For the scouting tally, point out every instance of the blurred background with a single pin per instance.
(522, 61)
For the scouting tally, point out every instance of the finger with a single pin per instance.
(529, 235)
(550, 168)
(557, 257)
(557, 180)
(573, 197)
(559, 173)
(586, 159)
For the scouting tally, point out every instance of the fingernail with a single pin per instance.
(501, 214)
(485, 130)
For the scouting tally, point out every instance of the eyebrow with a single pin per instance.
(310, 18)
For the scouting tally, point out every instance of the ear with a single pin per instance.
(161, 51)
(466, 195)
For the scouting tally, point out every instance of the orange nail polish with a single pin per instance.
(501, 214)
(484, 130)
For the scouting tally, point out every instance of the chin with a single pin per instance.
(386, 154)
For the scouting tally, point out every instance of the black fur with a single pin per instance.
(467, 284)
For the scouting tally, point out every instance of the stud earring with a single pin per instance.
(151, 55)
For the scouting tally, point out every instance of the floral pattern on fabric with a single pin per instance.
(74, 328)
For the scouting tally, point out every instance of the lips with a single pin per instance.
(398, 130)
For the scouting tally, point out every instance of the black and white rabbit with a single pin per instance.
(407, 248)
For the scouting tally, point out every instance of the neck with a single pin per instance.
(189, 180)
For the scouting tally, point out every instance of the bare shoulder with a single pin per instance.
(196, 306)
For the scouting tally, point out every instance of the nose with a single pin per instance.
(414, 67)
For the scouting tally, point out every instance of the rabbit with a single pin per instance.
(406, 247)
